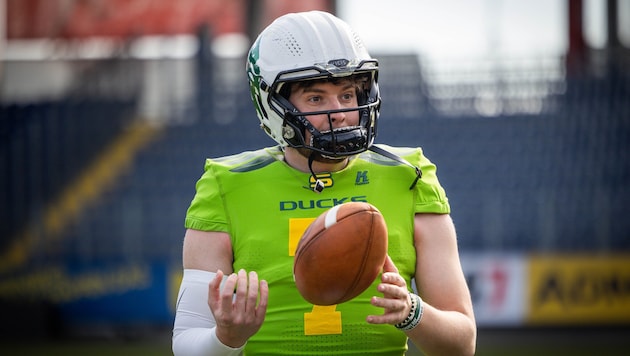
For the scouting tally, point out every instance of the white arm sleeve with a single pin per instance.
(194, 327)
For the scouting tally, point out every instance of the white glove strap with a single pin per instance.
(195, 326)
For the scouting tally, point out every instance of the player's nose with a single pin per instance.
(337, 116)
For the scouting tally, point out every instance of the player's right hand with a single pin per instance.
(239, 306)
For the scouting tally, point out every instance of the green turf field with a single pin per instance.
(582, 342)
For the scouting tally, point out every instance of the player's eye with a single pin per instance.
(347, 96)
(314, 99)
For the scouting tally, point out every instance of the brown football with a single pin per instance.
(340, 254)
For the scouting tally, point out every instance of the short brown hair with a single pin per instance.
(359, 81)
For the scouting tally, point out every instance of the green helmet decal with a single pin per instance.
(253, 56)
(253, 72)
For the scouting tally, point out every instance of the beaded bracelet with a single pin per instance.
(415, 314)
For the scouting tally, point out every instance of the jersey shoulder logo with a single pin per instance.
(362, 178)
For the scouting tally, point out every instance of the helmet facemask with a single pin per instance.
(331, 143)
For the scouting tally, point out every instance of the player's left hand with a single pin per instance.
(395, 301)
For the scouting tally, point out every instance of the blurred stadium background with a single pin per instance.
(108, 109)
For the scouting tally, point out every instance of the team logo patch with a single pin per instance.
(362, 178)
(325, 178)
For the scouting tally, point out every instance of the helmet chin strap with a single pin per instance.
(318, 187)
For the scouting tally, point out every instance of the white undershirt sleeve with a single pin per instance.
(194, 327)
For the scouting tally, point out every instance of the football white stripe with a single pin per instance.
(331, 216)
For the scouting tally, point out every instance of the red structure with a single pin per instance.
(124, 18)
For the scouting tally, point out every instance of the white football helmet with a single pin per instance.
(306, 46)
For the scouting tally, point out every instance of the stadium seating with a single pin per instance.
(556, 180)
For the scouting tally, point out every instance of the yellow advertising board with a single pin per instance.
(579, 290)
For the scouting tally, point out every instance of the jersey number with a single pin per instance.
(322, 320)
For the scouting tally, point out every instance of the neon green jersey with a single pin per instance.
(265, 205)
